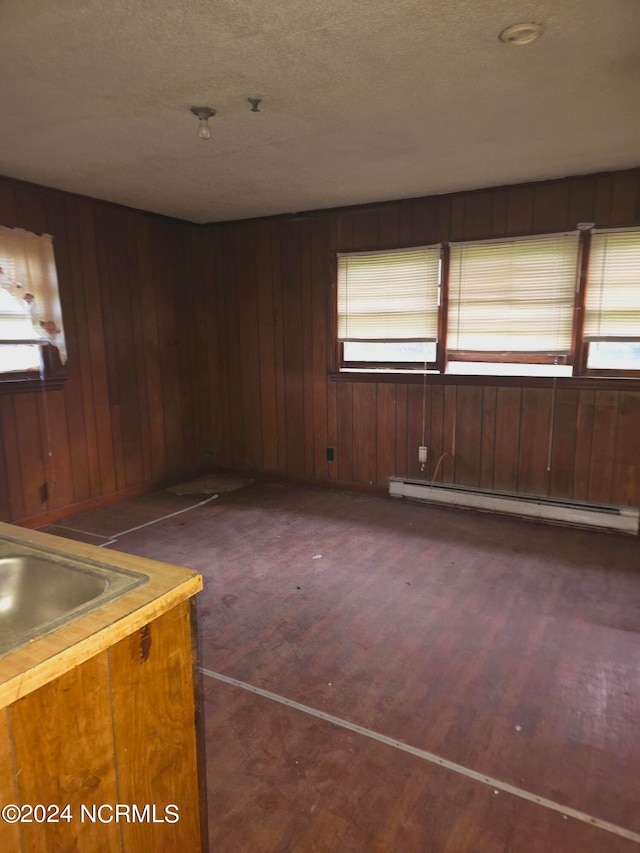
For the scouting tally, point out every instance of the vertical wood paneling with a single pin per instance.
(625, 201)
(507, 439)
(57, 450)
(502, 433)
(185, 339)
(70, 426)
(228, 330)
(332, 427)
(364, 432)
(436, 442)
(499, 212)
(320, 260)
(279, 332)
(565, 422)
(307, 347)
(127, 414)
(15, 489)
(477, 215)
(5, 504)
(293, 349)
(400, 432)
(266, 342)
(449, 430)
(91, 346)
(106, 224)
(487, 453)
(551, 207)
(603, 445)
(9, 832)
(626, 469)
(533, 477)
(468, 435)
(151, 347)
(581, 200)
(385, 432)
(33, 473)
(78, 703)
(169, 280)
(249, 347)
(520, 210)
(153, 712)
(582, 459)
(603, 200)
(424, 221)
(344, 400)
(418, 397)
(389, 226)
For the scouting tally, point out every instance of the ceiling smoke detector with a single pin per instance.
(521, 33)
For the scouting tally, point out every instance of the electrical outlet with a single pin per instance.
(422, 454)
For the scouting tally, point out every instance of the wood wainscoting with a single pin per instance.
(191, 344)
(271, 364)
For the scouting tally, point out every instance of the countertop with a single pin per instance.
(43, 659)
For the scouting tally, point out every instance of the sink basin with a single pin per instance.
(41, 590)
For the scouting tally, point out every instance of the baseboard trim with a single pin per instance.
(52, 515)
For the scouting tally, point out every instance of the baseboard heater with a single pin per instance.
(622, 519)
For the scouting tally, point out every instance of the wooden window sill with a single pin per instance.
(27, 385)
(595, 383)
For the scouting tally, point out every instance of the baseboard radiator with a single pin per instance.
(622, 519)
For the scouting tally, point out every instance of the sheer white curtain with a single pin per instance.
(28, 273)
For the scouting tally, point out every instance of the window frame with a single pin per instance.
(51, 375)
(582, 346)
(385, 367)
(437, 371)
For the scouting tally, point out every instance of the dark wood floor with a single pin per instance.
(509, 647)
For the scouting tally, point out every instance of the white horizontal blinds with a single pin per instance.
(513, 296)
(389, 295)
(612, 298)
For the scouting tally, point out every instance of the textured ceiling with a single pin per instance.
(364, 100)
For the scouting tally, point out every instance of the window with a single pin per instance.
(612, 302)
(388, 307)
(549, 305)
(512, 300)
(30, 314)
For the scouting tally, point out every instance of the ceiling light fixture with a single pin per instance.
(204, 114)
(521, 33)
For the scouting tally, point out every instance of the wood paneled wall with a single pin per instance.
(268, 295)
(187, 340)
(128, 414)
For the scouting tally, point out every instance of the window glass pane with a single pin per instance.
(485, 368)
(612, 300)
(389, 295)
(614, 355)
(513, 295)
(406, 351)
(19, 358)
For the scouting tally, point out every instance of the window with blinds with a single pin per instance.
(513, 298)
(389, 296)
(612, 301)
(506, 307)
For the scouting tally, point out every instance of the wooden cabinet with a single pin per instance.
(119, 730)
